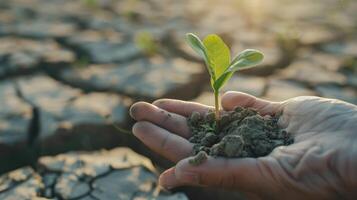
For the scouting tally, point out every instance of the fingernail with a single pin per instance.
(137, 130)
(167, 179)
(166, 185)
(132, 111)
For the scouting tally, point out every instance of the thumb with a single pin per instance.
(231, 99)
(243, 174)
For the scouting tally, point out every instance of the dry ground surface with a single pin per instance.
(65, 65)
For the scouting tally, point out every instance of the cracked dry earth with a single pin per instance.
(65, 65)
(116, 174)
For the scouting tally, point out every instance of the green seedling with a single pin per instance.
(218, 61)
(91, 3)
(82, 62)
(146, 42)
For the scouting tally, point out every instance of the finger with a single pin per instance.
(173, 122)
(243, 174)
(167, 144)
(230, 100)
(184, 108)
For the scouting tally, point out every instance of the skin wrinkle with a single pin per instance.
(291, 178)
(349, 172)
(220, 182)
(331, 166)
(193, 170)
(264, 168)
(297, 173)
(316, 155)
(231, 181)
(337, 183)
(262, 107)
(322, 119)
(344, 123)
(339, 123)
(272, 191)
(289, 157)
(321, 157)
(165, 141)
(180, 173)
(347, 122)
(251, 102)
(266, 108)
(342, 111)
(326, 119)
(199, 179)
(190, 177)
(226, 165)
(333, 186)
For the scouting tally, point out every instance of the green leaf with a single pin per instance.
(218, 54)
(197, 45)
(247, 58)
(219, 83)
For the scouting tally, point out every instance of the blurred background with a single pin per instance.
(65, 66)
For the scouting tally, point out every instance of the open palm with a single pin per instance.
(321, 164)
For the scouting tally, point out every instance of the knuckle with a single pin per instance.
(159, 102)
(164, 145)
(165, 116)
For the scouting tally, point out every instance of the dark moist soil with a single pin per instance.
(240, 133)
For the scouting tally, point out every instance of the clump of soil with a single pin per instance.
(242, 132)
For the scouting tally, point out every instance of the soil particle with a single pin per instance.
(199, 158)
(242, 132)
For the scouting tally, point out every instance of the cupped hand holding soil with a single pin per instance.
(241, 132)
(320, 164)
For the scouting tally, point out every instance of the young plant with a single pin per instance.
(146, 42)
(218, 61)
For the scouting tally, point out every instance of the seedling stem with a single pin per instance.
(216, 105)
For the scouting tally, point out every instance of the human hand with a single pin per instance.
(321, 164)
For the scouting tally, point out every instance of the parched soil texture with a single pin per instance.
(242, 132)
